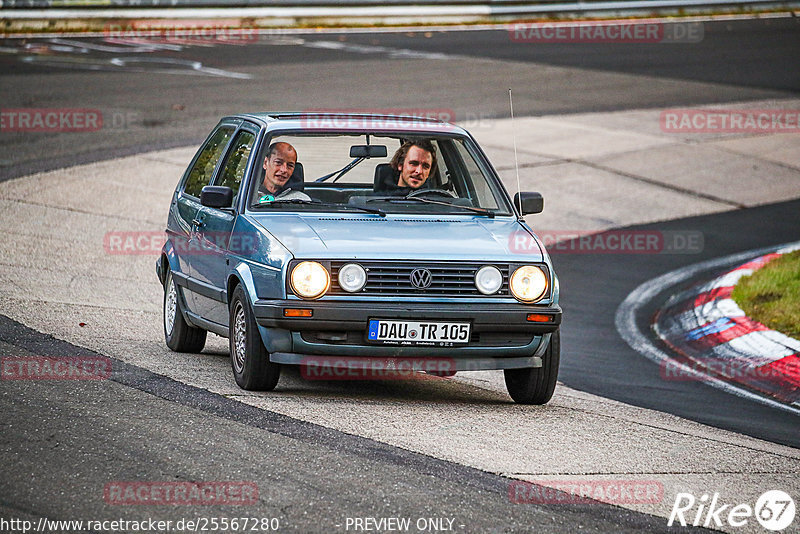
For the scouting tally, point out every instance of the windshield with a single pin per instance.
(376, 174)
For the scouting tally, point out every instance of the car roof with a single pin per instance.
(352, 122)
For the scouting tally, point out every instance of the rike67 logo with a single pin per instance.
(774, 510)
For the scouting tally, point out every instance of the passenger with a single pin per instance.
(279, 166)
(412, 164)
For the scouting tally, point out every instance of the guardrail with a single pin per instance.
(495, 6)
(542, 6)
(365, 9)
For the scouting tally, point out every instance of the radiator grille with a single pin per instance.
(449, 279)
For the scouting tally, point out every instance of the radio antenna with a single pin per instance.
(514, 138)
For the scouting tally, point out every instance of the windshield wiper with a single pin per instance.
(322, 204)
(481, 211)
(341, 172)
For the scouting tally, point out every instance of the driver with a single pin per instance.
(413, 162)
(279, 166)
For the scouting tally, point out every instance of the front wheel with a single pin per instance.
(179, 335)
(535, 385)
(252, 369)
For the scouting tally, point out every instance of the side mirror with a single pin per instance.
(529, 202)
(216, 196)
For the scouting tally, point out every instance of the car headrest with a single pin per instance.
(296, 180)
(385, 178)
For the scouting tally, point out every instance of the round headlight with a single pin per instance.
(528, 283)
(488, 279)
(310, 280)
(352, 277)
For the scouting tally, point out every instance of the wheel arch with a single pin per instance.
(274, 339)
(241, 275)
(167, 261)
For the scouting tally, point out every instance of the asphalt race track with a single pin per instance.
(323, 454)
(604, 364)
(145, 426)
(465, 74)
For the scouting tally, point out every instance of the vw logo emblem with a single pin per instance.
(421, 278)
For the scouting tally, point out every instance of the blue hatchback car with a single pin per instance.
(390, 242)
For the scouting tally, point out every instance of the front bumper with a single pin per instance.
(339, 315)
(502, 337)
(402, 363)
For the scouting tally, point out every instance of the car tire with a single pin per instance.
(252, 369)
(535, 385)
(179, 335)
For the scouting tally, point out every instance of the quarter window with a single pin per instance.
(203, 168)
(236, 164)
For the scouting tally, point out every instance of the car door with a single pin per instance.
(216, 226)
(186, 208)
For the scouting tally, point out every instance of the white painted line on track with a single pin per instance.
(403, 53)
(151, 44)
(625, 321)
(128, 49)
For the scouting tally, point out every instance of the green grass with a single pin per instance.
(771, 295)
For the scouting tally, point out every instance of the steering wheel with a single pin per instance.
(442, 192)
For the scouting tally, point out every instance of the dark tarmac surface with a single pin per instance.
(63, 441)
(158, 98)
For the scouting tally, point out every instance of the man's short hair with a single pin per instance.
(425, 144)
(273, 148)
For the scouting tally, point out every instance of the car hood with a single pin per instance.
(401, 237)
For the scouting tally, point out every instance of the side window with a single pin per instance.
(442, 171)
(203, 168)
(233, 172)
(478, 184)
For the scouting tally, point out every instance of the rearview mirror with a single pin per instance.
(368, 151)
(216, 196)
(528, 202)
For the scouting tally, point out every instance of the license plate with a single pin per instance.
(418, 332)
